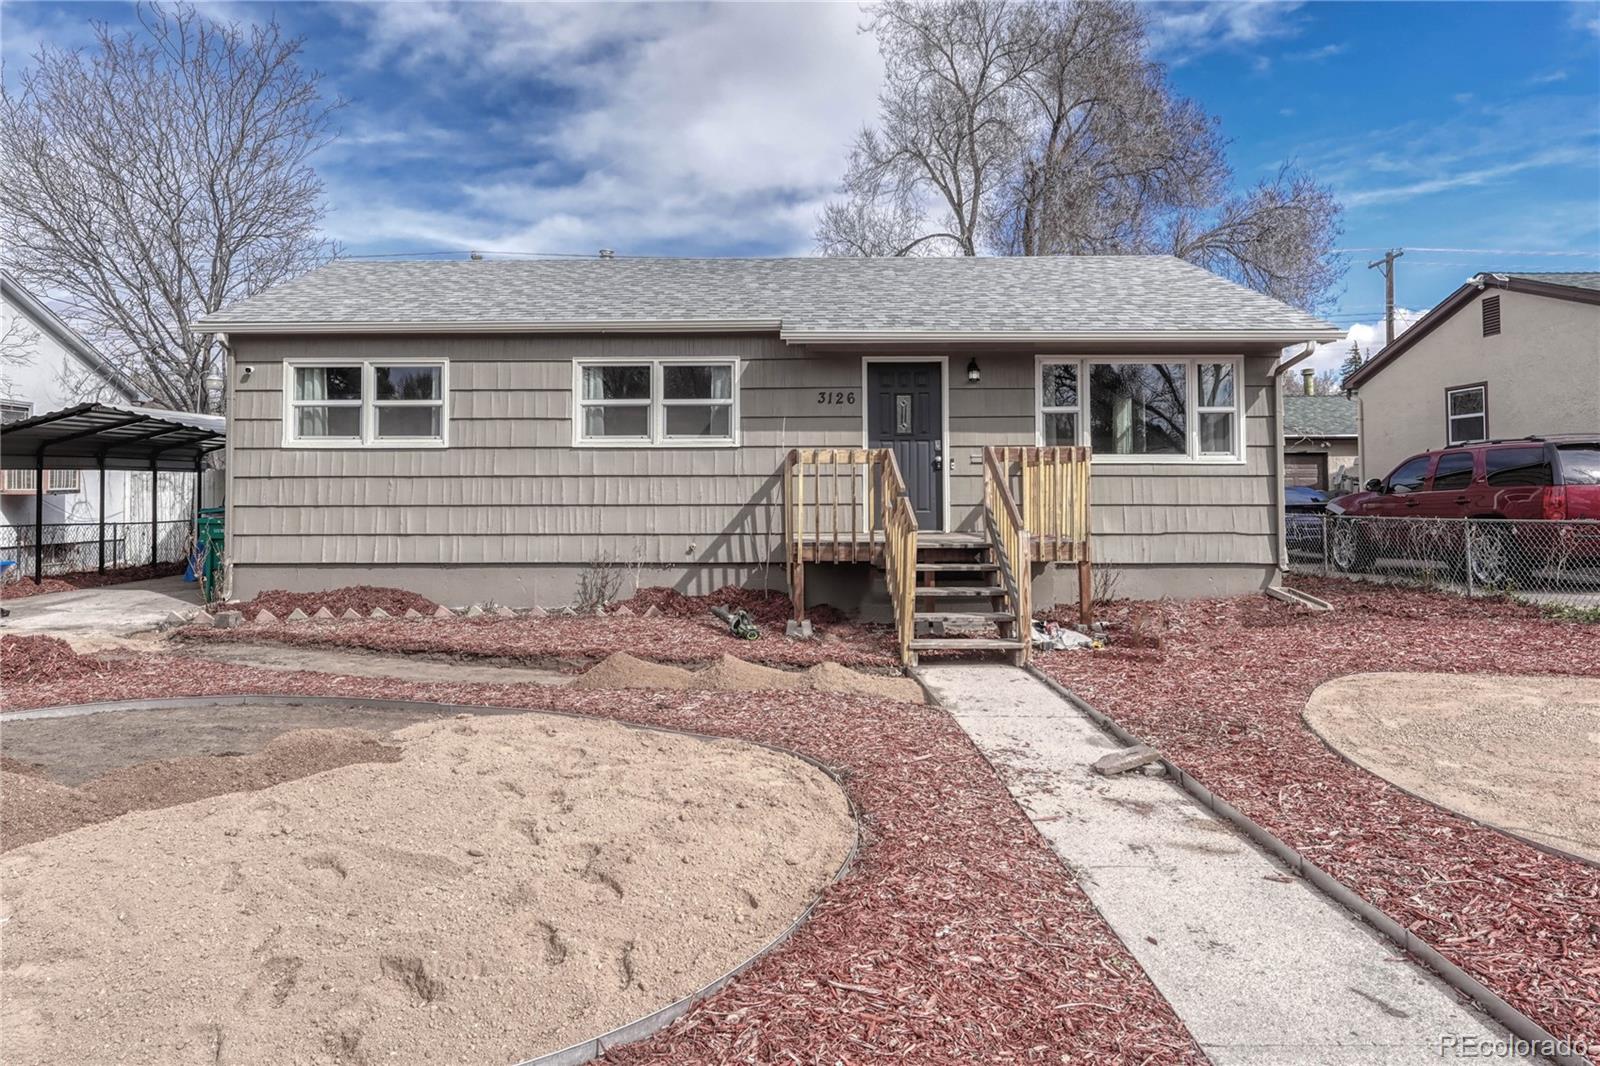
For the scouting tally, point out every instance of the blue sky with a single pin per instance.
(692, 129)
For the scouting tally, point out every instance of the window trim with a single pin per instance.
(1450, 440)
(25, 405)
(657, 402)
(368, 404)
(1239, 456)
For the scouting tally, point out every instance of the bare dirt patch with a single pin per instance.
(368, 664)
(620, 670)
(513, 884)
(1520, 753)
(72, 751)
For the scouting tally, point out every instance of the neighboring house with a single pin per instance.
(493, 429)
(46, 366)
(1320, 442)
(1504, 356)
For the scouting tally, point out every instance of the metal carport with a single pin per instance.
(98, 436)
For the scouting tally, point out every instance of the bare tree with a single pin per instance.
(1036, 128)
(158, 177)
(19, 343)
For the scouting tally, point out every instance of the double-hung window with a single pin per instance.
(386, 403)
(687, 402)
(1143, 410)
(1466, 412)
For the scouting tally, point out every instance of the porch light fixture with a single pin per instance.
(973, 374)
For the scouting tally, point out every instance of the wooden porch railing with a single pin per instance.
(1010, 541)
(1051, 486)
(847, 505)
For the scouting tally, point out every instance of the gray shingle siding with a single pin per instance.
(1319, 416)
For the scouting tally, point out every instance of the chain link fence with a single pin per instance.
(74, 547)
(1550, 563)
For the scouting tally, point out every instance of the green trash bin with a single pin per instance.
(209, 533)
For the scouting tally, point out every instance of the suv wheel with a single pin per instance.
(1351, 550)
(1491, 555)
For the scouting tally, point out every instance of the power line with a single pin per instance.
(1479, 251)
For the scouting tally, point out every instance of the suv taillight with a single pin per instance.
(1555, 503)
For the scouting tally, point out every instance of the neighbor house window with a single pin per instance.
(14, 411)
(379, 402)
(678, 402)
(1130, 409)
(1466, 414)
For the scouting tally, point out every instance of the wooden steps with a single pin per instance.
(967, 616)
(958, 568)
(959, 592)
(965, 644)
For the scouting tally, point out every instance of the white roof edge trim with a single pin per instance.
(753, 325)
(1285, 337)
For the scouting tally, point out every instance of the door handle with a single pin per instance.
(1411, 503)
(938, 455)
(1462, 499)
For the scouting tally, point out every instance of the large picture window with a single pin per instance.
(670, 402)
(1131, 410)
(393, 403)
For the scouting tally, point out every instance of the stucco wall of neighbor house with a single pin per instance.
(512, 511)
(1542, 372)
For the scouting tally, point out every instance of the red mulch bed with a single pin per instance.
(23, 587)
(958, 937)
(42, 660)
(1222, 695)
(363, 598)
(567, 640)
(767, 607)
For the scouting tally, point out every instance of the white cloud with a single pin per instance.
(1368, 335)
(725, 123)
(1180, 32)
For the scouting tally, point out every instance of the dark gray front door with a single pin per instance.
(904, 413)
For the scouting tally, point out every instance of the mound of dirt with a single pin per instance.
(831, 677)
(732, 674)
(17, 766)
(33, 808)
(42, 809)
(514, 884)
(621, 670)
(28, 659)
(363, 599)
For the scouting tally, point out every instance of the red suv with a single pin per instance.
(1555, 477)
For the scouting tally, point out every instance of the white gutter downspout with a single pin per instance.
(1279, 512)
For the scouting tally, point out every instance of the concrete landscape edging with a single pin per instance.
(1518, 1024)
(589, 1048)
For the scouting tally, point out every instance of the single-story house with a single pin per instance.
(496, 429)
(1320, 442)
(1504, 356)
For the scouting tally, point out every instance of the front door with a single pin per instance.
(905, 412)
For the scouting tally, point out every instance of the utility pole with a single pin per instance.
(1386, 264)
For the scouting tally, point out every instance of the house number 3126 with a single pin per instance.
(842, 396)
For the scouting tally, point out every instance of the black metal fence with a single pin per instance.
(1547, 562)
(75, 547)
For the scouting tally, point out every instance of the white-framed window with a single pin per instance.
(15, 411)
(366, 403)
(676, 402)
(1157, 409)
(1466, 414)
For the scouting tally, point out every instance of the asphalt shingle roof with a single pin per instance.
(1319, 416)
(1581, 279)
(1077, 294)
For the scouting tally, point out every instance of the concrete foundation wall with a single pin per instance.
(854, 589)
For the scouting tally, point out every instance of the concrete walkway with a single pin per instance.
(1259, 965)
(129, 608)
